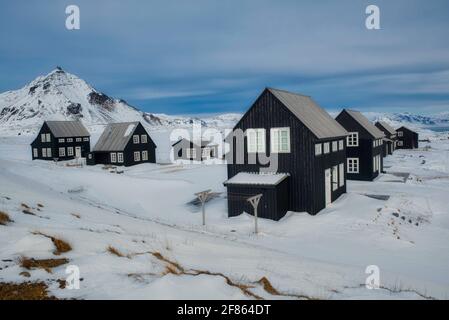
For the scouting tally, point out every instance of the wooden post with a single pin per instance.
(203, 196)
(255, 203)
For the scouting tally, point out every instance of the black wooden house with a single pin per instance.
(61, 140)
(184, 149)
(390, 138)
(123, 144)
(407, 139)
(363, 146)
(309, 146)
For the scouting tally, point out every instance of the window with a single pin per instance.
(136, 139)
(120, 157)
(340, 145)
(326, 147)
(352, 139)
(35, 153)
(341, 174)
(334, 178)
(205, 152)
(374, 143)
(78, 139)
(143, 138)
(374, 164)
(256, 140)
(48, 152)
(318, 149)
(191, 153)
(137, 155)
(334, 146)
(280, 140)
(43, 137)
(89, 155)
(70, 151)
(44, 153)
(69, 139)
(62, 152)
(144, 155)
(400, 134)
(48, 136)
(353, 165)
(86, 139)
(400, 143)
(61, 140)
(113, 157)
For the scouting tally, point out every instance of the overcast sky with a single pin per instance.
(208, 56)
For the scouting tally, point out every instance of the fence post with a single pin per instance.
(203, 196)
(255, 203)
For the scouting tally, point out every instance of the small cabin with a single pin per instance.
(364, 146)
(306, 149)
(123, 144)
(407, 139)
(390, 139)
(61, 140)
(185, 149)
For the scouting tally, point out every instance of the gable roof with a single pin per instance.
(204, 143)
(315, 118)
(365, 123)
(115, 136)
(405, 128)
(387, 127)
(63, 129)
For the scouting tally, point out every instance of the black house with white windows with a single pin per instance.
(363, 146)
(309, 146)
(390, 138)
(407, 139)
(184, 149)
(123, 144)
(61, 140)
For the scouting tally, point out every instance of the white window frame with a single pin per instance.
(61, 140)
(86, 139)
(113, 157)
(48, 137)
(191, 153)
(78, 139)
(341, 145)
(48, 152)
(318, 149)
(352, 140)
(353, 165)
(69, 139)
(43, 137)
(326, 147)
(276, 140)
(374, 164)
(341, 174)
(69, 151)
(334, 178)
(205, 152)
(334, 146)
(259, 143)
(400, 134)
(62, 152)
(136, 139)
(400, 143)
(144, 155)
(137, 156)
(35, 152)
(120, 157)
(44, 152)
(143, 138)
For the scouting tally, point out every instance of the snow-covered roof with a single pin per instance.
(115, 136)
(63, 129)
(387, 127)
(365, 123)
(266, 179)
(315, 118)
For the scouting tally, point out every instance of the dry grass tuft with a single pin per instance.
(268, 287)
(29, 212)
(61, 246)
(76, 215)
(40, 205)
(4, 218)
(46, 264)
(24, 291)
(24, 205)
(116, 252)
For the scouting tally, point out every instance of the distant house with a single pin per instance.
(390, 139)
(407, 139)
(363, 146)
(187, 150)
(309, 146)
(61, 140)
(123, 144)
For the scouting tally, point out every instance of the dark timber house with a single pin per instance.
(407, 139)
(389, 144)
(187, 150)
(61, 140)
(123, 144)
(310, 149)
(363, 146)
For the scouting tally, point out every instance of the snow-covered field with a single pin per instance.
(145, 214)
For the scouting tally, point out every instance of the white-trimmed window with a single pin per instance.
(256, 140)
(137, 155)
(280, 140)
(113, 157)
(43, 137)
(205, 152)
(44, 152)
(144, 155)
(120, 157)
(353, 165)
(136, 139)
(79, 139)
(62, 152)
(143, 138)
(374, 164)
(340, 145)
(48, 152)
(35, 152)
(334, 146)
(48, 137)
(69, 139)
(334, 178)
(400, 143)
(61, 140)
(341, 174)
(326, 147)
(69, 151)
(352, 140)
(86, 139)
(318, 149)
(400, 134)
(191, 153)
(374, 143)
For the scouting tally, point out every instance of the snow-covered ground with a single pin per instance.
(403, 229)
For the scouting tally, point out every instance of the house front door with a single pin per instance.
(78, 152)
(327, 186)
